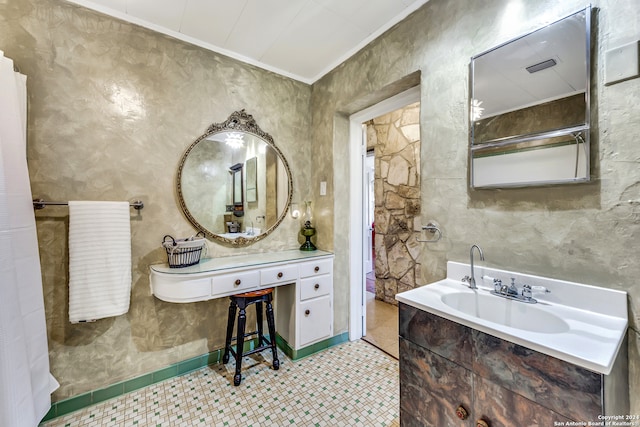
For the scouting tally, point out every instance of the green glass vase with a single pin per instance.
(307, 229)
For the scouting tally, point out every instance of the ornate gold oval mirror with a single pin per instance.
(233, 183)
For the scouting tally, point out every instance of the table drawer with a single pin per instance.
(313, 287)
(233, 283)
(314, 268)
(278, 275)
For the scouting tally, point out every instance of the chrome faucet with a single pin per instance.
(511, 291)
(249, 231)
(471, 280)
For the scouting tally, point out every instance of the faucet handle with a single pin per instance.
(540, 289)
(466, 279)
(497, 285)
(526, 292)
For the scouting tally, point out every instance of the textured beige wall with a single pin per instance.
(586, 233)
(112, 107)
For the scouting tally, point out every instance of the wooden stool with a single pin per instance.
(242, 301)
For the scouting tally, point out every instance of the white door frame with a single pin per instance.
(357, 153)
(369, 178)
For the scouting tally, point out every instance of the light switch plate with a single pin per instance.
(622, 63)
(323, 188)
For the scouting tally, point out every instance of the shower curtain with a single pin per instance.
(25, 382)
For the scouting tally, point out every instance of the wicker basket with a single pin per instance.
(184, 252)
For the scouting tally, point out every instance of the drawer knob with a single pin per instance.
(482, 423)
(307, 312)
(280, 275)
(237, 282)
(316, 286)
(462, 413)
(316, 269)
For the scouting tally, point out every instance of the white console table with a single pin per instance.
(303, 310)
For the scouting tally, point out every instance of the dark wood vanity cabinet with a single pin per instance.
(431, 388)
(444, 365)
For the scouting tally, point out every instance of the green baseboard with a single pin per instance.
(81, 401)
(313, 348)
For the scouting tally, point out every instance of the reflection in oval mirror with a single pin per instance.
(234, 183)
(529, 108)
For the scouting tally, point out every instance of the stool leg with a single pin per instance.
(230, 321)
(242, 320)
(272, 334)
(259, 322)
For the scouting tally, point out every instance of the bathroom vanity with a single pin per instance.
(303, 282)
(468, 357)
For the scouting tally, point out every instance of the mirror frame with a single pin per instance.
(583, 129)
(238, 121)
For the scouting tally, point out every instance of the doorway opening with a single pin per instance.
(384, 249)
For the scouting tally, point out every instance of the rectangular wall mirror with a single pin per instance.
(237, 189)
(252, 181)
(529, 108)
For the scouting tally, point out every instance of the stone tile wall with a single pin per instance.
(395, 138)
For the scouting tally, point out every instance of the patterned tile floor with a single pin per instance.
(353, 384)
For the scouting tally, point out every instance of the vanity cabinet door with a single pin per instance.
(315, 320)
(503, 408)
(562, 387)
(432, 388)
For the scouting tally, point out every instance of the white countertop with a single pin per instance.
(222, 263)
(596, 317)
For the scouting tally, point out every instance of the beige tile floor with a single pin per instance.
(382, 325)
(352, 384)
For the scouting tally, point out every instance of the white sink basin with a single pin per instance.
(581, 324)
(234, 236)
(514, 314)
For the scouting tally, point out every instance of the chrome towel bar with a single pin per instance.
(40, 204)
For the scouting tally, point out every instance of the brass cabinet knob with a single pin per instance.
(482, 423)
(316, 269)
(307, 312)
(316, 286)
(462, 413)
(237, 282)
(280, 275)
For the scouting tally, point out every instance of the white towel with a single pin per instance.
(99, 260)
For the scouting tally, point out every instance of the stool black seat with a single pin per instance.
(241, 302)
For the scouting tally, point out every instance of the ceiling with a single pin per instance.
(301, 39)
